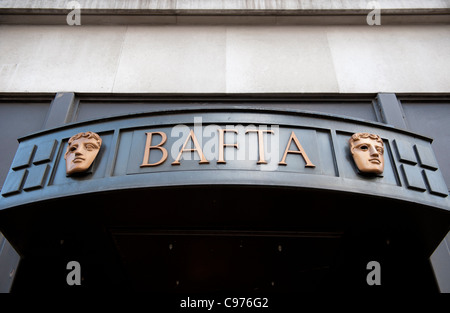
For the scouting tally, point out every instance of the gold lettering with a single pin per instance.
(260, 143)
(148, 147)
(222, 145)
(197, 148)
(299, 151)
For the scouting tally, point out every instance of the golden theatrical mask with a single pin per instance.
(368, 153)
(81, 152)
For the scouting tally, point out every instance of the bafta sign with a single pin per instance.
(366, 149)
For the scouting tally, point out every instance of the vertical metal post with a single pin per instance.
(61, 110)
(391, 110)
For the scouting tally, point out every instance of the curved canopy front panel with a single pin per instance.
(225, 147)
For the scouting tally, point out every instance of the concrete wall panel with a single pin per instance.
(172, 59)
(280, 59)
(218, 59)
(48, 59)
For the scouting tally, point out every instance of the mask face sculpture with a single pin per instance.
(368, 153)
(81, 152)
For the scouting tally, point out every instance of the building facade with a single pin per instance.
(224, 157)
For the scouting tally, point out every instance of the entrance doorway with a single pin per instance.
(221, 239)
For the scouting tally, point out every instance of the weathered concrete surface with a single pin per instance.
(224, 59)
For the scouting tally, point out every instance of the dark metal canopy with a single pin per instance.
(184, 226)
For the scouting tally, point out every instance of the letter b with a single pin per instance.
(148, 147)
(74, 276)
(374, 276)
